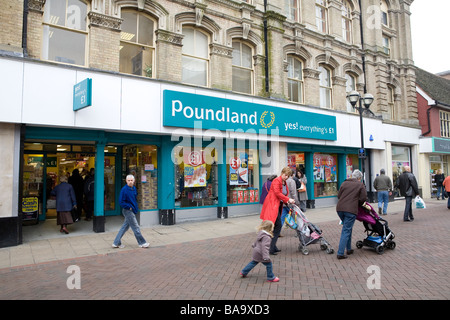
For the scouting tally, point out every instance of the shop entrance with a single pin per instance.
(45, 163)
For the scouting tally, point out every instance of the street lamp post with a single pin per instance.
(353, 97)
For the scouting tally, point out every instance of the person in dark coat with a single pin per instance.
(77, 183)
(65, 202)
(439, 179)
(352, 194)
(89, 194)
(265, 188)
(407, 184)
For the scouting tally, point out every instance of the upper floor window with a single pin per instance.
(65, 31)
(137, 48)
(386, 45)
(444, 118)
(295, 79)
(346, 21)
(350, 85)
(384, 13)
(321, 16)
(242, 67)
(195, 57)
(391, 103)
(325, 87)
(292, 10)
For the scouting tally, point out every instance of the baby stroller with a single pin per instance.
(307, 232)
(379, 236)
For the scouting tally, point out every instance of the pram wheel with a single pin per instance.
(303, 249)
(359, 244)
(379, 249)
(330, 250)
(391, 245)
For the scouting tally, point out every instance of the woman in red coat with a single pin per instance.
(273, 205)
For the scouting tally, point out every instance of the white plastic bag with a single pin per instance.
(420, 204)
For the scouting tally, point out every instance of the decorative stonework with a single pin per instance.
(36, 5)
(171, 37)
(220, 50)
(101, 20)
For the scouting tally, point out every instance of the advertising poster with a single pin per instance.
(239, 169)
(194, 169)
(318, 168)
(30, 208)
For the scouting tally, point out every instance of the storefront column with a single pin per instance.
(166, 180)
(222, 209)
(99, 187)
(309, 172)
(342, 168)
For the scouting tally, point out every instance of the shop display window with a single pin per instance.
(296, 161)
(196, 175)
(242, 176)
(325, 175)
(400, 159)
(351, 164)
(141, 162)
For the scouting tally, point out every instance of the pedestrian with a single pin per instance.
(352, 194)
(446, 185)
(383, 185)
(407, 184)
(77, 183)
(265, 188)
(273, 205)
(89, 194)
(439, 179)
(65, 202)
(129, 205)
(302, 195)
(260, 251)
(293, 194)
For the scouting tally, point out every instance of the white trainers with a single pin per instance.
(119, 246)
(145, 245)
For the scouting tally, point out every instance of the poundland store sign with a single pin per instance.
(183, 109)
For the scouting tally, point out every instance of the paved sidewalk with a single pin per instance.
(201, 261)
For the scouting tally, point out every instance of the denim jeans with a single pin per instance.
(348, 219)
(383, 197)
(407, 215)
(252, 264)
(130, 221)
(440, 190)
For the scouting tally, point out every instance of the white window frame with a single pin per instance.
(199, 58)
(297, 81)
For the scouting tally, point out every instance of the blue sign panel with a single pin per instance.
(181, 109)
(82, 94)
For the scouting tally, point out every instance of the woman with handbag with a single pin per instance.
(65, 202)
(302, 194)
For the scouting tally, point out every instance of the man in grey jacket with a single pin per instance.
(383, 185)
(408, 187)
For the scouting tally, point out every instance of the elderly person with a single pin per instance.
(65, 202)
(383, 185)
(352, 194)
(407, 184)
(273, 205)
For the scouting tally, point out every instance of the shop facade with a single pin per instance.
(196, 153)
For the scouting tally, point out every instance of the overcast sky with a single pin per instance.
(430, 28)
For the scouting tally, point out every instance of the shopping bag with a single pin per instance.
(302, 188)
(290, 220)
(420, 204)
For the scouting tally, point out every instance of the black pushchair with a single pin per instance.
(379, 236)
(307, 232)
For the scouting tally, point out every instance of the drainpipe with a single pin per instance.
(266, 49)
(25, 28)
(363, 55)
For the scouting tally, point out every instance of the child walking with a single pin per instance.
(261, 251)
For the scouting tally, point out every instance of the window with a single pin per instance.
(386, 45)
(292, 10)
(137, 44)
(142, 162)
(346, 21)
(295, 80)
(325, 175)
(242, 176)
(350, 85)
(384, 13)
(391, 104)
(325, 87)
(65, 35)
(196, 175)
(195, 57)
(444, 118)
(242, 67)
(321, 16)
(400, 159)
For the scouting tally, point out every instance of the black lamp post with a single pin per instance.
(353, 97)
